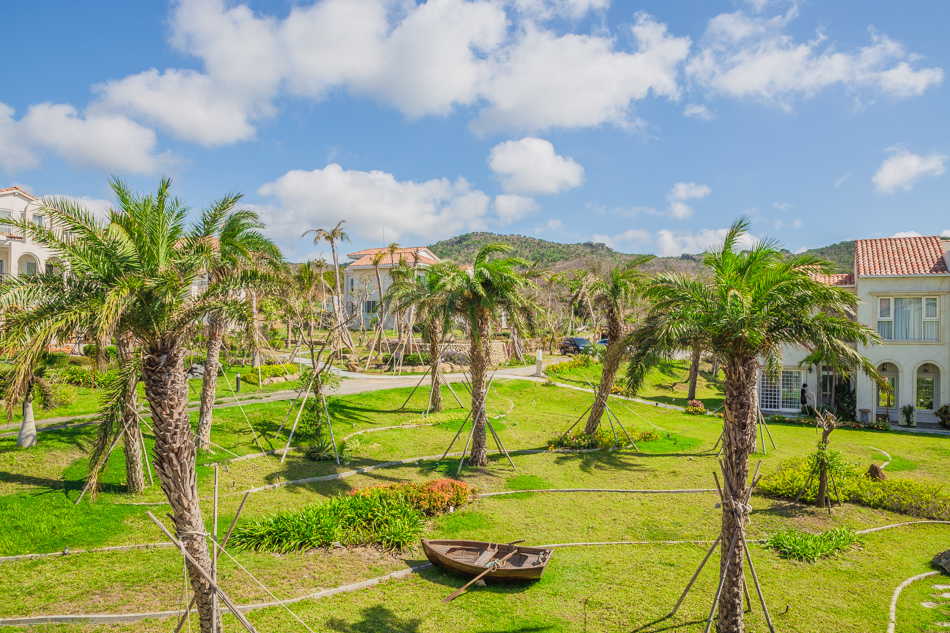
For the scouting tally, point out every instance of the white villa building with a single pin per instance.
(19, 254)
(360, 288)
(904, 287)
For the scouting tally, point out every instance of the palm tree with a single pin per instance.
(240, 248)
(132, 276)
(331, 237)
(480, 296)
(756, 302)
(614, 292)
(424, 294)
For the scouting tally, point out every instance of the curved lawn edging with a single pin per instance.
(135, 617)
(683, 491)
(71, 552)
(892, 616)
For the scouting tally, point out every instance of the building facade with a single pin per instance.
(18, 253)
(904, 287)
(361, 291)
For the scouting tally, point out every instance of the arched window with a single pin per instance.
(928, 387)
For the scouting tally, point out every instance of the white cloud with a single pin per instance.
(753, 58)
(546, 9)
(800, 250)
(795, 224)
(781, 206)
(841, 180)
(627, 237)
(371, 202)
(93, 140)
(945, 233)
(907, 234)
(544, 80)
(512, 207)
(680, 193)
(698, 111)
(902, 170)
(532, 166)
(185, 103)
(551, 225)
(670, 243)
(97, 206)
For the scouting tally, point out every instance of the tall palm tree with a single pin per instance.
(614, 292)
(331, 237)
(132, 276)
(756, 302)
(425, 294)
(480, 296)
(239, 251)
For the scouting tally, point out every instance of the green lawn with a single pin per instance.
(667, 383)
(621, 588)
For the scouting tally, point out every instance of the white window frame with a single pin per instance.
(890, 316)
(39, 220)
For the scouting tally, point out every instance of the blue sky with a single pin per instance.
(646, 125)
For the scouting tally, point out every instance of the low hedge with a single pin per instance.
(603, 438)
(918, 499)
(268, 371)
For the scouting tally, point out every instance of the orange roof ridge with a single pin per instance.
(23, 191)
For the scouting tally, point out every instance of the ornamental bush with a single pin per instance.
(269, 371)
(430, 498)
(577, 439)
(695, 407)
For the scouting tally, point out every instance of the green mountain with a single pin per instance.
(560, 257)
(840, 254)
(463, 248)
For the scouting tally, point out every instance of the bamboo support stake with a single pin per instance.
(695, 576)
(326, 410)
(758, 587)
(214, 554)
(224, 597)
(722, 581)
(418, 384)
(297, 420)
(227, 536)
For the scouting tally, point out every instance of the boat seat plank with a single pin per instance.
(486, 556)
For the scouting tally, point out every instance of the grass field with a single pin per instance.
(599, 588)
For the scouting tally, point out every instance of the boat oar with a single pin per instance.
(491, 568)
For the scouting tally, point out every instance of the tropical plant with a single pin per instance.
(132, 276)
(479, 296)
(755, 302)
(331, 237)
(613, 292)
(424, 294)
(237, 253)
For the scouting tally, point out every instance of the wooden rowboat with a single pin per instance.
(471, 558)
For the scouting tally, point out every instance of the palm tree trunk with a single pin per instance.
(693, 373)
(479, 359)
(738, 443)
(166, 389)
(132, 432)
(435, 342)
(611, 365)
(27, 435)
(517, 345)
(209, 382)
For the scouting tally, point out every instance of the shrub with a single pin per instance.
(376, 518)
(907, 412)
(905, 496)
(55, 394)
(196, 359)
(579, 360)
(695, 407)
(943, 416)
(82, 376)
(268, 371)
(603, 438)
(430, 498)
(456, 357)
(778, 418)
(321, 451)
(92, 350)
(810, 547)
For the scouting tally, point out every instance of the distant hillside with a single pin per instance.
(463, 248)
(561, 257)
(841, 254)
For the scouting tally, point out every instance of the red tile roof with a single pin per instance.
(25, 193)
(838, 279)
(405, 257)
(900, 256)
(409, 255)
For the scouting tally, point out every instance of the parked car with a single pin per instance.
(603, 342)
(574, 345)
